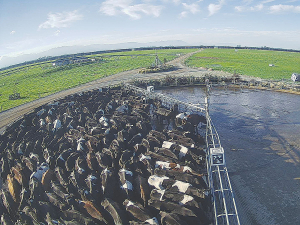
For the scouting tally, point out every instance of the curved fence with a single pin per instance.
(224, 206)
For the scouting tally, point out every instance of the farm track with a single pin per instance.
(9, 116)
(251, 200)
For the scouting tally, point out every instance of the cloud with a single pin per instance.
(56, 33)
(192, 8)
(267, 1)
(239, 8)
(258, 7)
(214, 8)
(135, 11)
(183, 14)
(12, 32)
(255, 8)
(58, 20)
(248, 1)
(284, 8)
(176, 2)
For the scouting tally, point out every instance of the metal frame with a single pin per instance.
(166, 101)
(225, 210)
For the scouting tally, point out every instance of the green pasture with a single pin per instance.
(42, 79)
(248, 62)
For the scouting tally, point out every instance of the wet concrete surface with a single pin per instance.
(259, 131)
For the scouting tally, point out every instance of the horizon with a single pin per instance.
(141, 48)
(33, 27)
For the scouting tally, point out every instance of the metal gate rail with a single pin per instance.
(225, 211)
(166, 101)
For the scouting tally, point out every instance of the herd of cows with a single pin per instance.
(100, 157)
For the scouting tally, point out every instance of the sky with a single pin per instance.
(38, 25)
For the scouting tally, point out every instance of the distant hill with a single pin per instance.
(6, 61)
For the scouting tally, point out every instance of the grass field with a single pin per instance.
(248, 62)
(42, 79)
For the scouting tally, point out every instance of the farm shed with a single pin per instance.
(295, 77)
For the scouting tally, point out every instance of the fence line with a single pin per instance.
(224, 206)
